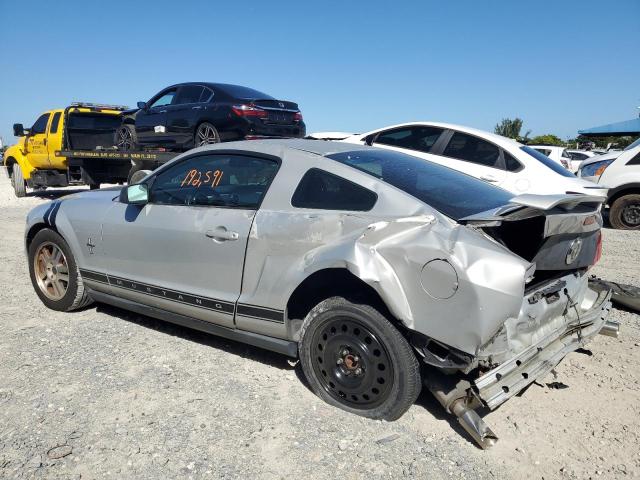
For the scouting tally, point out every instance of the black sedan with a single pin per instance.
(190, 115)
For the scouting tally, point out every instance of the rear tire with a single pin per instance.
(206, 134)
(17, 180)
(355, 359)
(125, 138)
(54, 273)
(624, 213)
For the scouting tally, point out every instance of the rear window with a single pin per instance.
(236, 91)
(556, 167)
(84, 121)
(451, 192)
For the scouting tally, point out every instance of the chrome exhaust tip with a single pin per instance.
(610, 329)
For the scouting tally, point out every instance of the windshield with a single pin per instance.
(556, 167)
(451, 192)
(634, 144)
(245, 93)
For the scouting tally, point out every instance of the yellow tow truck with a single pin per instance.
(74, 146)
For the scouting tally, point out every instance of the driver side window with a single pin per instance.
(165, 99)
(235, 181)
(41, 124)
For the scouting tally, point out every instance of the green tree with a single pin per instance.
(511, 128)
(547, 139)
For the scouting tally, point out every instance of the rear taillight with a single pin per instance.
(249, 111)
(297, 117)
(598, 255)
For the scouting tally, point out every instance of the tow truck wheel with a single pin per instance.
(137, 176)
(206, 135)
(125, 138)
(19, 186)
(354, 358)
(625, 212)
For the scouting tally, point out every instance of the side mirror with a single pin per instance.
(135, 194)
(18, 130)
(142, 105)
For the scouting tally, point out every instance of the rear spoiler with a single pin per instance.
(528, 205)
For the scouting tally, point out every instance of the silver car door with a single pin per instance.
(184, 250)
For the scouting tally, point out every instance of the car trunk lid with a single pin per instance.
(557, 233)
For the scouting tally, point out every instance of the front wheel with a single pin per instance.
(125, 138)
(54, 273)
(17, 179)
(625, 212)
(355, 359)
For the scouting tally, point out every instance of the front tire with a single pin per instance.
(355, 359)
(54, 273)
(17, 179)
(125, 138)
(206, 134)
(624, 213)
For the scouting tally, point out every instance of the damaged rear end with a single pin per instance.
(561, 311)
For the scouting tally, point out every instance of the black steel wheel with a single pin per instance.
(356, 359)
(125, 138)
(351, 363)
(206, 134)
(625, 212)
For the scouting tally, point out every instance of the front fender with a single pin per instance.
(15, 154)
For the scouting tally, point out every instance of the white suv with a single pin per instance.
(490, 157)
(620, 171)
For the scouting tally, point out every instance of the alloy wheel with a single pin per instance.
(206, 135)
(51, 270)
(125, 139)
(351, 363)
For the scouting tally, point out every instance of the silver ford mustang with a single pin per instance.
(382, 272)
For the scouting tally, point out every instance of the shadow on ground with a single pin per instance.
(250, 352)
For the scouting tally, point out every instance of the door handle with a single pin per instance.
(196, 107)
(162, 111)
(44, 141)
(489, 178)
(221, 234)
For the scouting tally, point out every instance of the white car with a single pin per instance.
(577, 157)
(490, 157)
(620, 171)
(557, 154)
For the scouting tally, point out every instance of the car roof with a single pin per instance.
(208, 84)
(493, 137)
(278, 147)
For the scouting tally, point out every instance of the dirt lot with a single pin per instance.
(103, 393)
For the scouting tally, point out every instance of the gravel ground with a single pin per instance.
(103, 393)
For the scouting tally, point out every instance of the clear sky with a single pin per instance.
(352, 66)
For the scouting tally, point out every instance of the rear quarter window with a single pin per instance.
(319, 189)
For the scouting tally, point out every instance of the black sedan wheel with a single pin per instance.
(206, 134)
(354, 358)
(125, 138)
